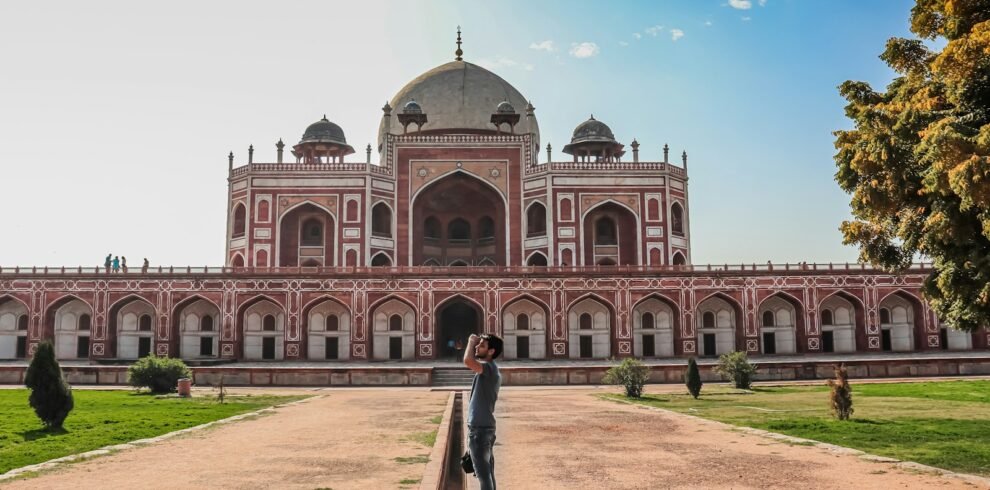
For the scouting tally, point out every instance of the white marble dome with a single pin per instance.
(460, 95)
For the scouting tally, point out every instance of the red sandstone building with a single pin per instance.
(462, 225)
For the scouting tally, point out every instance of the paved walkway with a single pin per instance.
(345, 440)
(569, 439)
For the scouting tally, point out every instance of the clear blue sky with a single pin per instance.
(116, 117)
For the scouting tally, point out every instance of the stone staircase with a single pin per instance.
(445, 377)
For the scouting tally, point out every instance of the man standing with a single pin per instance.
(479, 356)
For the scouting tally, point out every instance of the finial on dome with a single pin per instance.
(325, 118)
(459, 53)
(592, 117)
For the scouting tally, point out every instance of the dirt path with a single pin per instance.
(568, 439)
(348, 439)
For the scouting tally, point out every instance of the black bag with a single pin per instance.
(466, 463)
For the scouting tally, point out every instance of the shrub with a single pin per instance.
(631, 373)
(737, 368)
(692, 378)
(841, 396)
(159, 374)
(51, 395)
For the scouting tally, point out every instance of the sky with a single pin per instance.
(116, 117)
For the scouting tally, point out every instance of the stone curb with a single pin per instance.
(103, 451)
(832, 448)
(436, 467)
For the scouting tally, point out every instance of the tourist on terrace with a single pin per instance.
(106, 263)
(123, 264)
(480, 357)
(144, 267)
(116, 264)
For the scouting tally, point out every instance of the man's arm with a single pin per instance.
(469, 360)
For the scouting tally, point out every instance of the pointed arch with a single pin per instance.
(239, 226)
(800, 328)
(175, 324)
(382, 220)
(859, 317)
(678, 259)
(628, 246)
(675, 335)
(739, 324)
(10, 297)
(536, 219)
(330, 245)
(381, 259)
(537, 259)
(919, 321)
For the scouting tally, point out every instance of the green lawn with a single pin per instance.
(942, 424)
(103, 418)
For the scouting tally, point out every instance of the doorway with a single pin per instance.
(456, 322)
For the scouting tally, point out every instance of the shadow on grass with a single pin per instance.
(33, 435)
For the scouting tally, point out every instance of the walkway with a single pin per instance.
(569, 439)
(345, 440)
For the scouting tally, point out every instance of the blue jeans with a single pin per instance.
(481, 443)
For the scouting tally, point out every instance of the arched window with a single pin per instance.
(263, 208)
(522, 322)
(144, 323)
(206, 324)
(22, 322)
(648, 320)
(584, 323)
(884, 315)
(381, 220)
(431, 228)
(536, 220)
(395, 323)
(352, 210)
(458, 230)
(605, 233)
(826, 317)
(653, 209)
(679, 259)
(381, 260)
(606, 261)
(708, 320)
(458, 263)
(332, 323)
(261, 259)
(565, 210)
(537, 260)
(312, 233)
(767, 318)
(237, 261)
(268, 323)
(486, 228)
(566, 257)
(84, 321)
(676, 219)
(239, 220)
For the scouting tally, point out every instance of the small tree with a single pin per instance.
(737, 368)
(51, 395)
(841, 396)
(631, 373)
(692, 378)
(159, 374)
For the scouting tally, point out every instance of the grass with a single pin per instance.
(942, 424)
(103, 418)
(413, 459)
(427, 439)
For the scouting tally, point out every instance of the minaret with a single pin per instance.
(250, 154)
(666, 151)
(278, 147)
(635, 148)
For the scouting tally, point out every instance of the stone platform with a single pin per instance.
(521, 373)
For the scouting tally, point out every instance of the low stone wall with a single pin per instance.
(516, 375)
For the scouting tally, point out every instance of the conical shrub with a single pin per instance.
(51, 395)
(692, 378)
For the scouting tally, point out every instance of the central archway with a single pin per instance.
(458, 220)
(456, 321)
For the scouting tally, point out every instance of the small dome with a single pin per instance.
(505, 107)
(323, 131)
(592, 130)
(412, 107)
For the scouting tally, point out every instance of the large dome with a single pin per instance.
(460, 95)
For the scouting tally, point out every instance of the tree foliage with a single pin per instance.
(841, 395)
(735, 367)
(51, 396)
(917, 163)
(159, 374)
(692, 378)
(631, 373)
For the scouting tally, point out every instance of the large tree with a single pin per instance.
(918, 161)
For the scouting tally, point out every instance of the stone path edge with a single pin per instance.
(437, 464)
(908, 465)
(107, 450)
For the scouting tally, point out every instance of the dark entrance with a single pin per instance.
(395, 348)
(21, 347)
(649, 346)
(769, 343)
(206, 346)
(586, 351)
(332, 348)
(885, 343)
(828, 341)
(709, 341)
(144, 346)
(268, 347)
(943, 338)
(456, 322)
(82, 348)
(522, 347)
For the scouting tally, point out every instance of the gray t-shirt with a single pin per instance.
(484, 393)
